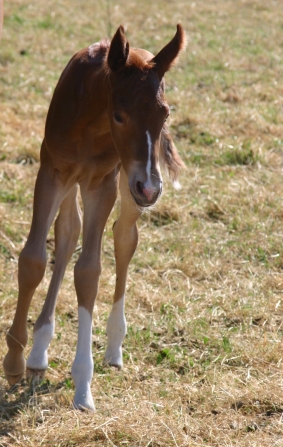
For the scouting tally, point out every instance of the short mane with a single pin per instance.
(137, 61)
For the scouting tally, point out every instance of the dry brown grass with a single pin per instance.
(203, 356)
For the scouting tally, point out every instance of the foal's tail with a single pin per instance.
(169, 158)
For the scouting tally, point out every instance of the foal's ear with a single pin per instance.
(118, 51)
(168, 55)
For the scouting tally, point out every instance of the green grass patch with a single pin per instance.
(237, 157)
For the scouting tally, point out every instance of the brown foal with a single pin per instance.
(105, 129)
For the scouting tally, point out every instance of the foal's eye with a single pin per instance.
(167, 117)
(118, 118)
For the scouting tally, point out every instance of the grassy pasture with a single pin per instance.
(203, 354)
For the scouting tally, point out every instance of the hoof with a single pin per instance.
(14, 366)
(113, 360)
(35, 375)
(114, 365)
(83, 398)
(84, 403)
(84, 407)
(13, 380)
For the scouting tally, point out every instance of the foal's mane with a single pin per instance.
(135, 60)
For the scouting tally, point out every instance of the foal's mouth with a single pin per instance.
(143, 202)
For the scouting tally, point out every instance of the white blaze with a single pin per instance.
(148, 165)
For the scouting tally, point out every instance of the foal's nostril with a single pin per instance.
(139, 188)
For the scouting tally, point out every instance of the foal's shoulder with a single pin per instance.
(79, 70)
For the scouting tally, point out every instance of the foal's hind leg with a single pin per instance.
(67, 230)
(48, 195)
(125, 243)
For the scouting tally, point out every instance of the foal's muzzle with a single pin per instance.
(145, 195)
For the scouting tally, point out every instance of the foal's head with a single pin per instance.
(138, 110)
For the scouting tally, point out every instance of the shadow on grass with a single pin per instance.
(21, 398)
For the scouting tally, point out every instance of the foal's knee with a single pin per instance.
(32, 266)
(87, 267)
(125, 237)
(86, 275)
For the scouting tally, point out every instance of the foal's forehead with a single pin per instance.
(138, 85)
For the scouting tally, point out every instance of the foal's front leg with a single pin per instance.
(67, 231)
(48, 195)
(125, 243)
(97, 207)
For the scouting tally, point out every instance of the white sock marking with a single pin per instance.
(38, 358)
(116, 331)
(82, 369)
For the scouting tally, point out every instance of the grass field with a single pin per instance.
(203, 354)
